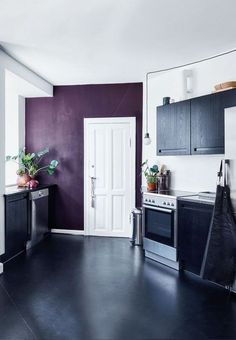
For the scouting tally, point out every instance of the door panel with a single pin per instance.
(118, 209)
(173, 129)
(193, 226)
(100, 158)
(207, 124)
(100, 213)
(16, 225)
(109, 161)
(118, 157)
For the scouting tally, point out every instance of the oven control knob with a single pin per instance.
(146, 200)
(153, 201)
(168, 203)
(172, 204)
(150, 201)
(164, 203)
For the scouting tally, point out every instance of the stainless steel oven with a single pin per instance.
(160, 226)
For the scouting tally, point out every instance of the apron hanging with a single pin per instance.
(219, 261)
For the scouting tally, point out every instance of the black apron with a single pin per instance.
(219, 261)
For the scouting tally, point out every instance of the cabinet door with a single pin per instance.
(207, 124)
(229, 97)
(16, 224)
(173, 129)
(193, 226)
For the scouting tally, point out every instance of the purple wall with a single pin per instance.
(58, 123)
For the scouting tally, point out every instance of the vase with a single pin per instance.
(22, 180)
(32, 184)
(151, 186)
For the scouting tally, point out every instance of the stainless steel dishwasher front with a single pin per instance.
(38, 216)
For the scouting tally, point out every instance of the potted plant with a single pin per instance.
(151, 175)
(22, 178)
(30, 165)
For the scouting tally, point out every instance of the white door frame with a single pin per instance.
(118, 120)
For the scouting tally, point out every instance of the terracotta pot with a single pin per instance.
(22, 180)
(151, 186)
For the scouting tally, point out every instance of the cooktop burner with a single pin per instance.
(172, 193)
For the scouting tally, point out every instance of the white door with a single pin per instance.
(109, 175)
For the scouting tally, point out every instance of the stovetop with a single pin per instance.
(166, 199)
(171, 193)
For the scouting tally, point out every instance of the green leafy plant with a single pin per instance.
(31, 163)
(151, 174)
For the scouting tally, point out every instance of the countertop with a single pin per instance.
(13, 190)
(197, 199)
(170, 192)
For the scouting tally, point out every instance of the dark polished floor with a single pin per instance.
(72, 287)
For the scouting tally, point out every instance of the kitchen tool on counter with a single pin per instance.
(164, 179)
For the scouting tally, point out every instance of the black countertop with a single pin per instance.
(13, 190)
(170, 192)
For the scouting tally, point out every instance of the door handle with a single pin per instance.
(93, 191)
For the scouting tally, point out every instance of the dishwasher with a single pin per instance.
(38, 201)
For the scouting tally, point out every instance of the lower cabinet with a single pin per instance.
(16, 224)
(193, 226)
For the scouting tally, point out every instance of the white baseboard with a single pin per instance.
(67, 231)
(1, 268)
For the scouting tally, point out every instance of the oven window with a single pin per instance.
(159, 226)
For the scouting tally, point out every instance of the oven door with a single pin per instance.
(159, 225)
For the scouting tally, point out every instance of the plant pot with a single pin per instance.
(22, 180)
(32, 184)
(151, 186)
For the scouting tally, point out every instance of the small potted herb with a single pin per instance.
(151, 175)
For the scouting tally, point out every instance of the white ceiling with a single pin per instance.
(105, 41)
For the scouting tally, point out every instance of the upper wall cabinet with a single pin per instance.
(194, 126)
(207, 124)
(173, 129)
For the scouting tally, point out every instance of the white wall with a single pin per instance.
(15, 130)
(43, 88)
(230, 150)
(194, 173)
(21, 121)
(11, 135)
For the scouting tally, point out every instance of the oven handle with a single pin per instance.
(169, 211)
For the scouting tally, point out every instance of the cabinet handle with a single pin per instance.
(171, 150)
(210, 148)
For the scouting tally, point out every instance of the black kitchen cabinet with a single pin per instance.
(18, 218)
(16, 224)
(194, 126)
(173, 129)
(193, 226)
(228, 97)
(207, 124)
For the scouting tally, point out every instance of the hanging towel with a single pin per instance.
(219, 261)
